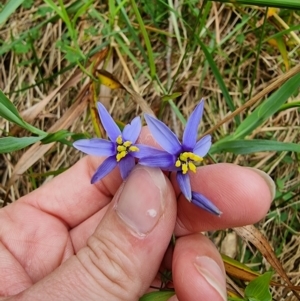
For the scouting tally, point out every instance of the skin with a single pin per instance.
(67, 241)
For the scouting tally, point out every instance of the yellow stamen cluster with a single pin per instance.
(123, 148)
(188, 161)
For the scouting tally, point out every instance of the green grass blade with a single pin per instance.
(131, 30)
(269, 107)
(237, 28)
(177, 111)
(146, 39)
(290, 105)
(11, 144)
(291, 4)
(9, 8)
(219, 78)
(258, 51)
(282, 33)
(241, 146)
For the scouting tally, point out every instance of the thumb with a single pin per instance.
(123, 256)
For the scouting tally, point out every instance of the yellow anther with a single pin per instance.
(121, 155)
(196, 158)
(133, 148)
(127, 143)
(184, 168)
(178, 163)
(119, 140)
(121, 148)
(188, 154)
(192, 166)
(183, 157)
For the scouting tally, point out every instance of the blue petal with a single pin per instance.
(111, 128)
(105, 168)
(132, 131)
(184, 185)
(148, 151)
(95, 147)
(163, 135)
(126, 165)
(153, 157)
(201, 201)
(191, 129)
(203, 145)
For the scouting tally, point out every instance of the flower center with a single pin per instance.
(123, 148)
(188, 161)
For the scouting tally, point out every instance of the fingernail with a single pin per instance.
(268, 180)
(212, 273)
(141, 201)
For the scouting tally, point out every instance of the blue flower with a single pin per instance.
(179, 157)
(121, 149)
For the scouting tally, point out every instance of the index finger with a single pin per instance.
(71, 197)
(242, 194)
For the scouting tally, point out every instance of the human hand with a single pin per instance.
(70, 240)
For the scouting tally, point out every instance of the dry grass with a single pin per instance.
(236, 57)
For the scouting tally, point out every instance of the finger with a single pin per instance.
(242, 194)
(123, 256)
(198, 272)
(71, 196)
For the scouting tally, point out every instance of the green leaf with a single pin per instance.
(43, 10)
(9, 8)
(10, 113)
(157, 296)
(240, 38)
(21, 48)
(258, 289)
(269, 107)
(11, 144)
(171, 96)
(252, 146)
(56, 137)
(28, 4)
